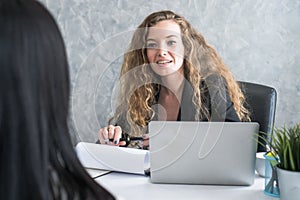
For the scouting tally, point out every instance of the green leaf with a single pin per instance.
(290, 157)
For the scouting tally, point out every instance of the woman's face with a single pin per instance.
(165, 50)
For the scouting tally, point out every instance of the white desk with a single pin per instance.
(131, 187)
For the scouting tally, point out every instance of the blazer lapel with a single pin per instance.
(188, 110)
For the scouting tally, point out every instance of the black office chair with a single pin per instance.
(261, 102)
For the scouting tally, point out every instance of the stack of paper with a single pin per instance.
(112, 158)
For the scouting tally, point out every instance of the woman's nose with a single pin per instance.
(162, 51)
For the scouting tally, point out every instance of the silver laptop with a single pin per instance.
(220, 153)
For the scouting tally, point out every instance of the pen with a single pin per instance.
(128, 139)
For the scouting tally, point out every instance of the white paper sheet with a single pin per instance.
(111, 158)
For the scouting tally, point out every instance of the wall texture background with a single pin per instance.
(258, 40)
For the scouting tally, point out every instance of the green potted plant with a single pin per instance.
(285, 148)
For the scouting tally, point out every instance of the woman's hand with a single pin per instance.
(111, 135)
(145, 142)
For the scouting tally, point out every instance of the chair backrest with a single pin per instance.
(261, 102)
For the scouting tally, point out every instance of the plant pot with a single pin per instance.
(289, 184)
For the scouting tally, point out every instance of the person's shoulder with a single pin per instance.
(214, 79)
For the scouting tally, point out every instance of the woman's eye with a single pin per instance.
(151, 45)
(171, 43)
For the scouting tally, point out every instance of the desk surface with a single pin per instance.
(131, 187)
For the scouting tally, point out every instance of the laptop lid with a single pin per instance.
(221, 153)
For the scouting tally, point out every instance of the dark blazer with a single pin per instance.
(215, 96)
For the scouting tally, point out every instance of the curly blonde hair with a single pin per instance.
(139, 83)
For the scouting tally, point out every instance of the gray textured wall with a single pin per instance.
(258, 39)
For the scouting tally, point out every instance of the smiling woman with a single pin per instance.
(170, 73)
